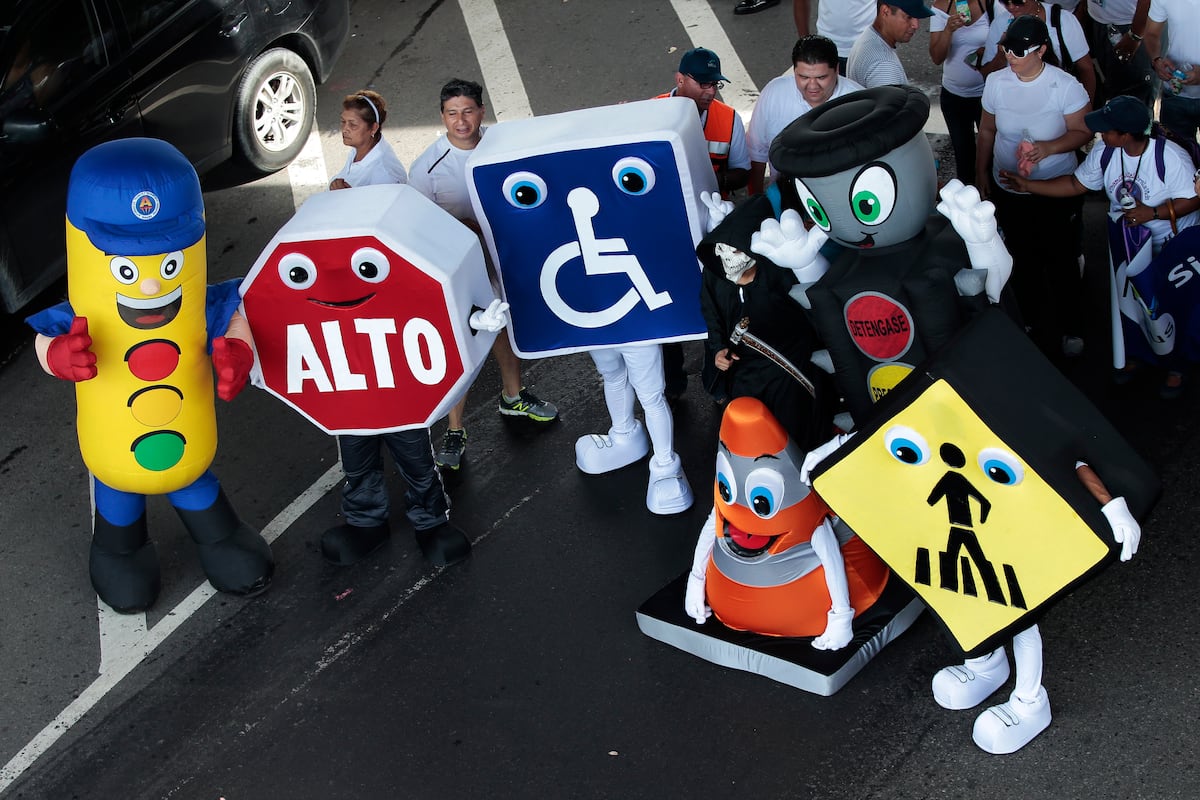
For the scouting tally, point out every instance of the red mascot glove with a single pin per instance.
(232, 359)
(69, 356)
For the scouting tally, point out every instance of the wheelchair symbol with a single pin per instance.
(600, 257)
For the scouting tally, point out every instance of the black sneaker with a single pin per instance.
(454, 444)
(528, 405)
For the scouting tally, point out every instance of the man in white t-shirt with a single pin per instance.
(440, 173)
(1180, 110)
(843, 21)
(873, 60)
(1080, 66)
(813, 80)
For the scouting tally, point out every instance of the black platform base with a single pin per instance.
(793, 661)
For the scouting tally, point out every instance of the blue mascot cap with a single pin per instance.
(136, 197)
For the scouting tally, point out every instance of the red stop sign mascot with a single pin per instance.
(372, 312)
(360, 308)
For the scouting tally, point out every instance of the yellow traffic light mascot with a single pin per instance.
(140, 337)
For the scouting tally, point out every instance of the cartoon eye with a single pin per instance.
(124, 270)
(524, 190)
(873, 195)
(906, 445)
(812, 206)
(370, 265)
(725, 485)
(764, 492)
(1001, 466)
(297, 271)
(172, 263)
(633, 176)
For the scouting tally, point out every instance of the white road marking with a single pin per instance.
(120, 660)
(307, 172)
(506, 90)
(705, 30)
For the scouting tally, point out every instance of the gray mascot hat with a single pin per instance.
(854, 129)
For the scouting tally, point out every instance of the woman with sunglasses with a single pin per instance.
(1067, 39)
(1032, 123)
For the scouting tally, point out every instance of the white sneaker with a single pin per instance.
(969, 684)
(596, 454)
(1008, 727)
(668, 491)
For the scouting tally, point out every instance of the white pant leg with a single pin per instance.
(1027, 653)
(645, 367)
(618, 395)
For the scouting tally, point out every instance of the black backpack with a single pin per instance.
(1159, 136)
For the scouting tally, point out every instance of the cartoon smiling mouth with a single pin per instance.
(341, 303)
(867, 241)
(746, 544)
(150, 312)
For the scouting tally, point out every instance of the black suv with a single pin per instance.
(213, 77)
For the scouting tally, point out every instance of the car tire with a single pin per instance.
(276, 104)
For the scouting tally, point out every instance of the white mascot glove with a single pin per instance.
(491, 319)
(974, 220)
(693, 599)
(839, 626)
(819, 454)
(1125, 528)
(718, 209)
(786, 242)
(839, 630)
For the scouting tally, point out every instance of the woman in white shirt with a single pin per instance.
(956, 43)
(1032, 124)
(371, 160)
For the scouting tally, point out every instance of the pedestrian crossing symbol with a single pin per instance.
(958, 513)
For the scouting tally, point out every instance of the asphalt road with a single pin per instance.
(521, 673)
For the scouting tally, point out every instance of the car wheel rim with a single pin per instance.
(279, 112)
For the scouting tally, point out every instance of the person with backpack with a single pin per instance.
(1155, 172)
(1067, 39)
(1148, 180)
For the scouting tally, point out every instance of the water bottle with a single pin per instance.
(1178, 76)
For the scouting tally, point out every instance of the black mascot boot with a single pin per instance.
(235, 557)
(444, 545)
(123, 565)
(348, 544)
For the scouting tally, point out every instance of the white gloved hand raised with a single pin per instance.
(718, 209)
(786, 242)
(1125, 528)
(974, 219)
(492, 319)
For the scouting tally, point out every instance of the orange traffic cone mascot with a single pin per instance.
(769, 559)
